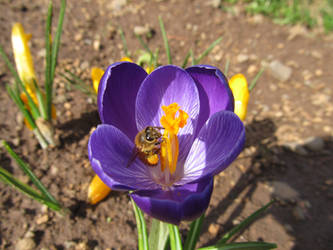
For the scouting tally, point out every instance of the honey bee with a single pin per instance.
(147, 146)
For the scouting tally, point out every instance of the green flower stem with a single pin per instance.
(186, 58)
(123, 39)
(175, 238)
(141, 226)
(194, 233)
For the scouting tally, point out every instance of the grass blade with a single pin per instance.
(31, 175)
(175, 239)
(244, 223)
(208, 50)
(48, 58)
(186, 59)
(226, 68)
(19, 83)
(8, 178)
(158, 234)
(194, 233)
(145, 46)
(242, 246)
(41, 101)
(141, 226)
(21, 106)
(256, 78)
(123, 39)
(165, 39)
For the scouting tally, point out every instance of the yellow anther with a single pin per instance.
(240, 90)
(170, 145)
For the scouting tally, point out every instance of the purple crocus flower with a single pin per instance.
(200, 136)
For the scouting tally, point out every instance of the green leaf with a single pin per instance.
(194, 233)
(244, 223)
(123, 39)
(186, 58)
(175, 238)
(165, 39)
(158, 235)
(256, 78)
(31, 175)
(141, 226)
(242, 246)
(34, 109)
(8, 178)
(41, 101)
(48, 58)
(208, 50)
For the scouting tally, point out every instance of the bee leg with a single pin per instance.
(135, 154)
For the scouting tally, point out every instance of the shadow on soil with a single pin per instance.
(307, 218)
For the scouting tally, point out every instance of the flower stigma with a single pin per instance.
(170, 145)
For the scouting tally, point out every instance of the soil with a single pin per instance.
(280, 116)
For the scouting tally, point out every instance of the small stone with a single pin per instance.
(314, 143)
(25, 244)
(296, 147)
(318, 72)
(117, 5)
(214, 3)
(16, 142)
(280, 46)
(78, 37)
(299, 213)
(283, 191)
(241, 58)
(141, 30)
(67, 105)
(297, 30)
(316, 54)
(97, 45)
(252, 69)
(280, 71)
(44, 218)
(257, 19)
(213, 229)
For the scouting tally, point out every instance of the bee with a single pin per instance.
(147, 146)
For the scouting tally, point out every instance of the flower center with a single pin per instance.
(170, 145)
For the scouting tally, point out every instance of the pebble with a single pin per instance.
(283, 191)
(141, 30)
(318, 72)
(25, 244)
(252, 69)
(314, 143)
(280, 71)
(296, 147)
(43, 219)
(213, 229)
(214, 3)
(241, 58)
(316, 54)
(97, 45)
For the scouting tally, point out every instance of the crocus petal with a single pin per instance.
(116, 96)
(110, 152)
(240, 90)
(214, 92)
(219, 142)
(185, 202)
(22, 56)
(96, 75)
(164, 86)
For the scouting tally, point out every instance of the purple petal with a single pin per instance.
(219, 142)
(116, 96)
(110, 152)
(214, 92)
(166, 85)
(185, 202)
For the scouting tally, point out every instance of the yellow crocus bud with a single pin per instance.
(126, 59)
(22, 56)
(97, 190)
(240, 90)
(96, 75)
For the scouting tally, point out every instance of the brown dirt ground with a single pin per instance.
(279, 112)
